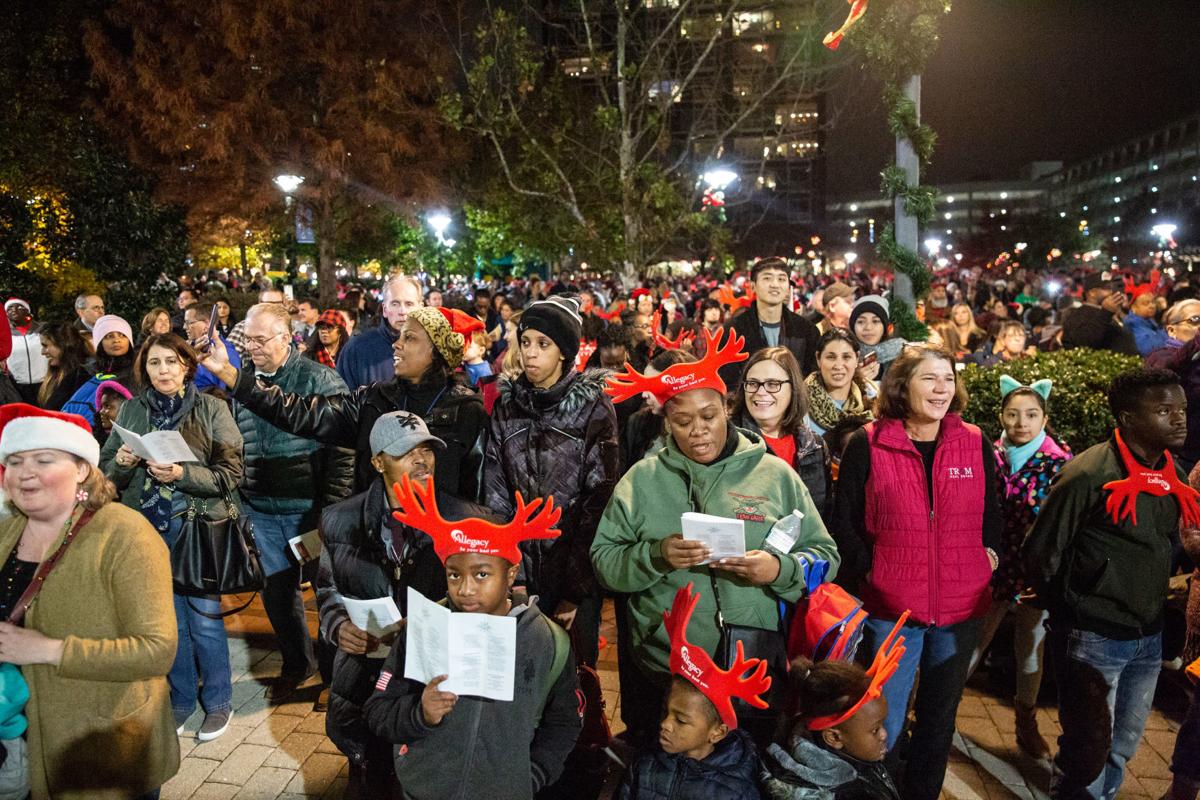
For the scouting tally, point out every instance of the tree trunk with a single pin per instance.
(242, 256)
(629, 210)
(326, 272)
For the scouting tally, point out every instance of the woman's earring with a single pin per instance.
(82, 495)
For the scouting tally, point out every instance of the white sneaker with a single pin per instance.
(214, 725)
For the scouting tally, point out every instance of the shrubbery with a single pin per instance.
(1078, 404)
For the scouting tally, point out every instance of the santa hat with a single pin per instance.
(461, 322)
(15, 301)
(110, 323)
(697, 667)
(25, 427)
(418, 509)
(680, 378)
(445, 339)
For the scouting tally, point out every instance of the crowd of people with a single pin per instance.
(533, 449)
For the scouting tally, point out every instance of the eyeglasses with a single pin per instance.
(1193, 320)
(260, 341)
(772, 386)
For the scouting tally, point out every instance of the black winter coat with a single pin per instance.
(559, 442)
(796, 334)
(355, 563)
(453, 412)
(811, 461)
(729, 773)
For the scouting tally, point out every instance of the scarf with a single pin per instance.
(166, 413)
(1019, 454)
(823, 409)
(1123, 494)
(323, 356)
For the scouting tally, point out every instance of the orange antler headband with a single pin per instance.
(725, 297)
(696, 666)
(887, 661)
(418, 508)
(680, 378)
(586, 348)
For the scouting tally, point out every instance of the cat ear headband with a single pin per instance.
(1041, 387)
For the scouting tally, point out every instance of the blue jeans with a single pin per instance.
(201, 660)
(281, 595)
(942, 656)
(1105, 688)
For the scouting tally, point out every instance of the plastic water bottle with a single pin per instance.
(784, 533)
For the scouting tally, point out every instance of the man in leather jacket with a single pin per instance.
(367, 555)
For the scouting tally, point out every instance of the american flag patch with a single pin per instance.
(385, 678)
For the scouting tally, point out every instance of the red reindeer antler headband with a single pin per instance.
(418, 508)
(680, 378)
(696, 666)
(681, 339)
(1123, 493)
(725, 297)
(586, 348)
(887, 661)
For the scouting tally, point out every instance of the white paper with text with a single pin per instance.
(725, 537)
(477, 651)
(378, 617)
(161, 447)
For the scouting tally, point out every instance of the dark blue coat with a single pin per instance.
(367, 357)
(729, 773)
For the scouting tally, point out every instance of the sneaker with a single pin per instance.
(181, 718)
(214, 725)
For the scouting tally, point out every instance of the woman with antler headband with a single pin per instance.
(707, 466)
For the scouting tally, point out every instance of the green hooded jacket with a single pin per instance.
(646, 507)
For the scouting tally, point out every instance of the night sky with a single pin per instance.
(1016, 81)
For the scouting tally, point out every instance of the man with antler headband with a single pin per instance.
(447, 746)
(1099, 557)
(707, 466)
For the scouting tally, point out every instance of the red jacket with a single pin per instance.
(929, 561)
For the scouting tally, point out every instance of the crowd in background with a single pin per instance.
(784, 394)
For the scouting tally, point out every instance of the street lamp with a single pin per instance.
(717, 179)
(439, 221)
(1164, 230)
(288, 184)
(850, 257)
(933, 246)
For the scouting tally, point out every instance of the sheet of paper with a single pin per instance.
(483, 655)
(426, 645)
(162, 447)
(725, 537)
(477, 651)
(377, 617)
(307, 546)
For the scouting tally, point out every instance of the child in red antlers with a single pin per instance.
(704, 755)
(448, 746)
(834, 740)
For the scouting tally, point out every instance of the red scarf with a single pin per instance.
(323, 357)
(1123, 494)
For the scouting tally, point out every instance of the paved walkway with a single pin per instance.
(281, 752)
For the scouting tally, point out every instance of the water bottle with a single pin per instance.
(784, 533)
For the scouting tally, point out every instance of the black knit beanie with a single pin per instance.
(558, 318)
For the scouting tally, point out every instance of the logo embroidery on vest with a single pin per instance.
(959, 472)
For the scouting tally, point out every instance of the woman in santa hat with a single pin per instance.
(85, 592)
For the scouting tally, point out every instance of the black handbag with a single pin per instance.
(216, 557)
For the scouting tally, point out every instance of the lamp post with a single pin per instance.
(289, 184)
(440, 222)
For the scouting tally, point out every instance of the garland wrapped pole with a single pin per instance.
(896, 39)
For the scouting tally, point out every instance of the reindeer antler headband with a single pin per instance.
(883, 667)
(667, 343)
(680, 378)
(696, 666)
(418, 508)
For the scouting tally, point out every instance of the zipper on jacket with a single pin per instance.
(469, 750)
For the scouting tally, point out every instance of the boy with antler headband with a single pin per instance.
(449, 746)
(1098, 557)
(703, 754)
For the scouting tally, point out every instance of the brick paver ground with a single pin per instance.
(280, 752)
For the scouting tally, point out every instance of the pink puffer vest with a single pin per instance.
(929, 561)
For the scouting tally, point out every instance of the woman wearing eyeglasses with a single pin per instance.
(1182, 322)
(773, 402)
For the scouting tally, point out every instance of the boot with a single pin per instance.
(1029, 738)
(1182, 789)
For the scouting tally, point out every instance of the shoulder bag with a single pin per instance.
(216, 557)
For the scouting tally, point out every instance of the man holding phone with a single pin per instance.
(1096, 323)
(200, 325)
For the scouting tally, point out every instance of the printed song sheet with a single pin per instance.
(477, 651)
(725, 537)
(161, 447)
(377, 617)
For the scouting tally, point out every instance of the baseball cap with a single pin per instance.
(398, 432)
